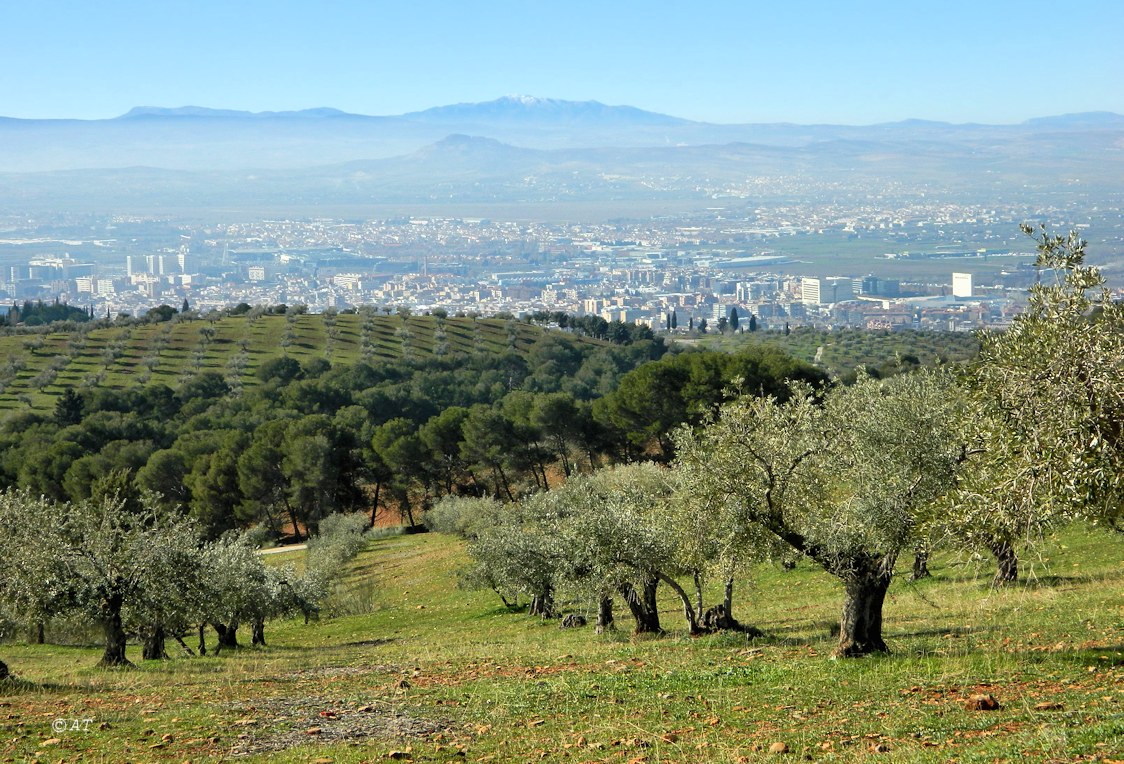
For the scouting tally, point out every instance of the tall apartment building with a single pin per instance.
(825, 291)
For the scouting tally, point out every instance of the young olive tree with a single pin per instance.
(846, 479)
(1048, 430)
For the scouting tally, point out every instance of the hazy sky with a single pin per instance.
(738, 61)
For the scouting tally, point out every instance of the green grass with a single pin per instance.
(442, 674)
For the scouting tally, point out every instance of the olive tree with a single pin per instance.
(106, 559)
(593, 537)
(1048, 426)
(241, 588)
(846, 479)
(464, 516)
(714, 543)
(516, 553)
(605, 526)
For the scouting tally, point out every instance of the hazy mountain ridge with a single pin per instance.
(198, 138)
(531, 109)
(462, 168)
(206, 113)
(525, 150)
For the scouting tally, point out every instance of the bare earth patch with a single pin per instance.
(329, 672)
(276, 724)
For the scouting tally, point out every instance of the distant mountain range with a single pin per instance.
(197, 138)
(517, 149)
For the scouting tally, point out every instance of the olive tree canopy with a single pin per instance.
(1047, 431)
(846, 479)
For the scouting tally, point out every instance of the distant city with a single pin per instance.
(521, 205)
(678, 273)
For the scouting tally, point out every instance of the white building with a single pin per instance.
(961, 285)
(825, 291)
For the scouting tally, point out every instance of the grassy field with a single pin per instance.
(36, 368)
(412, 668)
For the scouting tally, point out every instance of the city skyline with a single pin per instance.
(721, 62)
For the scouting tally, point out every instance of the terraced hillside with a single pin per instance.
(36, 368)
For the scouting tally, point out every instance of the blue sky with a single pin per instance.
(787, 60)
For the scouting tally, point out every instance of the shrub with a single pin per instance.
(463, 516)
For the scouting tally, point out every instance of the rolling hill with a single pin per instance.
(39, 367)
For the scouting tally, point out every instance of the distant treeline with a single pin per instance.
(40, 313)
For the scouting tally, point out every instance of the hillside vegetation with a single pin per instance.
(840, 352)
(37, 367)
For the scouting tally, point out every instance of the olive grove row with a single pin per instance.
(132, 568)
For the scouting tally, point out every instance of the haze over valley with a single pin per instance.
(511, 198)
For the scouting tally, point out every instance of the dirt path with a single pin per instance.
(281, 549)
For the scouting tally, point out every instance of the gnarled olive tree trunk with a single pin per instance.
(257, 632)
(920, 565)
(227, 635)
(542, 604)
(115, 637)
(153, 645)
(604, 614)
(1008, 560)
(642, 604)
(4, 673)
(860, 627)
(721, 617)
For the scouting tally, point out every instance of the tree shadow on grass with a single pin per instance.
(1099, 657)
(954, 632)
(1034, 581)
(305, 649)
(17, 685)
(1028, 579)
(500, 610)
(370, 642)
